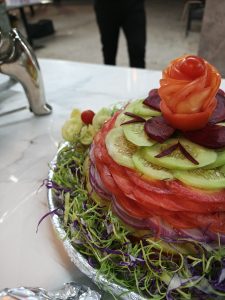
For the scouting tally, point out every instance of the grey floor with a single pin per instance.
(77, 37)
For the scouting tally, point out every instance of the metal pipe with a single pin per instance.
(18, 60)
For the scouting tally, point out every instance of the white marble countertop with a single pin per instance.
(27, 145)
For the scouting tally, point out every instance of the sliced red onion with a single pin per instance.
(195, 234)
(157, 129)
(216, 237)
(97, 184)
(162, 230)
(126, 218)
(91, 154)
(187, 154)
(132, 121)
(154, 224)
(136, 117)
(168, 151)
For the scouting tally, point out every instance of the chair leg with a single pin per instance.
(188, 26)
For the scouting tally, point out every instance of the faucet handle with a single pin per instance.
(18, 60)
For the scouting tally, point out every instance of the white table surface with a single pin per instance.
(12, 4)
(27, 145)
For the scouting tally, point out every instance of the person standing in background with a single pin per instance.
(4, 19)
(112, 15)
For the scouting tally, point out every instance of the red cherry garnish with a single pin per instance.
(87, 116)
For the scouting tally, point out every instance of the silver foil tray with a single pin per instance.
(78, 259)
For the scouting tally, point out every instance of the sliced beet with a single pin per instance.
(218, 114)
(221, 92)
(153, 100)
(211, 136)
(157, 129)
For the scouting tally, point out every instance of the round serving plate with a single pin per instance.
(78, 259)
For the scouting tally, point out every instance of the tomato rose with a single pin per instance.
(188, 90)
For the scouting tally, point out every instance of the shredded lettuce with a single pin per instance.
(141, 265)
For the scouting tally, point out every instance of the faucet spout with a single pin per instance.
(18, 60)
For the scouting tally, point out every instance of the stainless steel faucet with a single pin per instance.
(18, 60)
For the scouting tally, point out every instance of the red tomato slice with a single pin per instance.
(185, 203)
(107, 179)
(179, 223)
(97, 137)
(157, 186)
(171, 200)
(162, 202)
(123, 182)
(203, 197)
(110, 123)
(132, 208)
(214, 221)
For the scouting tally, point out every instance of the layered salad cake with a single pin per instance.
(142, 187)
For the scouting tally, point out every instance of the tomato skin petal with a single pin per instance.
(193, 66)
(185, 122)
(188, 91)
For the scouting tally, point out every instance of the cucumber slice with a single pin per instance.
(150, 169)
(173, 248)
(143, 110)
(200, 178)
(119, 148)
(136, 107)
(220, 160)
(121, 119)
(135, 133)
(176, 160)
(222, 170)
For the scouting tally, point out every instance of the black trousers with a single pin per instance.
(129, 15)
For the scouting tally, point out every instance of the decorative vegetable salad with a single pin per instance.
(141, 189)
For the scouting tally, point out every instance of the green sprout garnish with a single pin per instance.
(138, 264)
